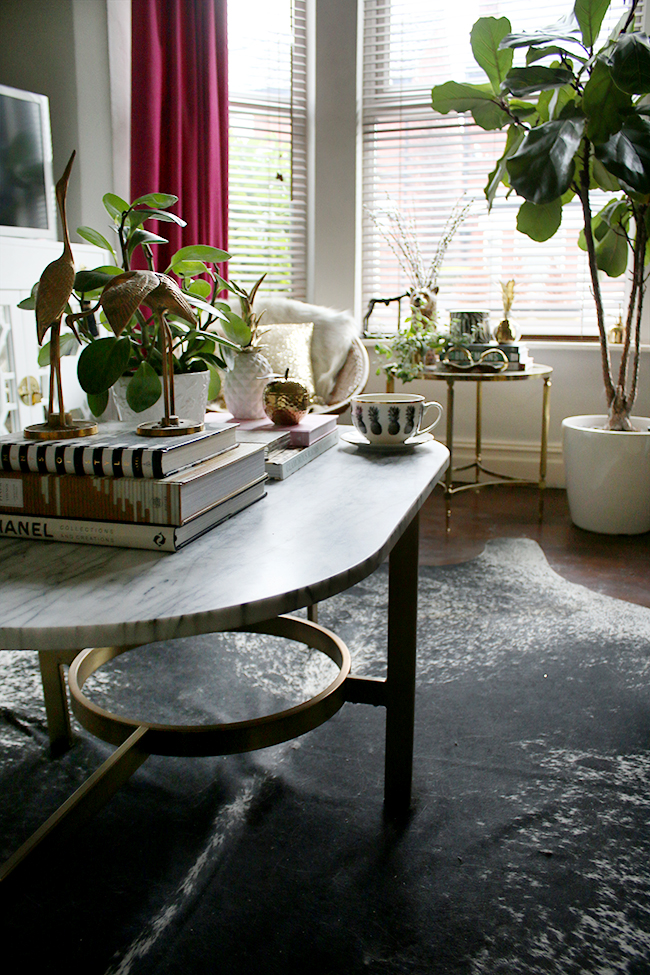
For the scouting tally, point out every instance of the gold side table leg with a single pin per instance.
(478, 450)
(400, 675)
(56, 697)
(450, 447)
(543, 453)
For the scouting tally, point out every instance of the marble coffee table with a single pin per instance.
(316, 533)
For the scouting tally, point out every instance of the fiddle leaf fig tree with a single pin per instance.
(577, 120)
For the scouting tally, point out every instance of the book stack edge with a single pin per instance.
(104, 489)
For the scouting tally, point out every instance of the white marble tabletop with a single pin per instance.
(316, 533)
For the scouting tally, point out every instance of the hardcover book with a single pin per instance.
(167, 501)
(161, 538)
(115, 452)
(282, 462)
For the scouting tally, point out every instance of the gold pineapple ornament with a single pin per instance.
(506, 332)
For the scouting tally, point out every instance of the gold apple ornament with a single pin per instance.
(286, 401)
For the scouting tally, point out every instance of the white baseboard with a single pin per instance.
(519, 460)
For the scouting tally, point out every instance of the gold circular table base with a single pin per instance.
(217, 739)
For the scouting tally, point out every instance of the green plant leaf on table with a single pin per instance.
(160, 201)
(144, 388)
(94, 237)
(102, 362)
(86, 282)
(539, 221)
(97, 402)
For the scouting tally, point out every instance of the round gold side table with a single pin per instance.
(452, 376)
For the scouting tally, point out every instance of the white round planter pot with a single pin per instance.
(190, 399)
(607, 475)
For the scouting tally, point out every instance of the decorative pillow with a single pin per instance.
(289, 347)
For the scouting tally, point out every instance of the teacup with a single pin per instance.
(391, 418)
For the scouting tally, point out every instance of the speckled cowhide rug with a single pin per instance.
(528, 850)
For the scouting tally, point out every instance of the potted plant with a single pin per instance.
(129, 359)
(576, 122)
(407, 352)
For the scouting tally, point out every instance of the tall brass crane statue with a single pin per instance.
(120, 299)
(54, 289)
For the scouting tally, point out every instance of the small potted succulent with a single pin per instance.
(412, 349)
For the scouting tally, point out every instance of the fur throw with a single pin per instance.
(331, 339)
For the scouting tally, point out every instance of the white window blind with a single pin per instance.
(423, 164)
(268, 143)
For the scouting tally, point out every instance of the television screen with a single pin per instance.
(26, 188)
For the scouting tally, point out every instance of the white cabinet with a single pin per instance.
(21, 264)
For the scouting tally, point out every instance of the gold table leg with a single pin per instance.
(56, 698)
(450, 447)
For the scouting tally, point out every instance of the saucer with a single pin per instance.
(352, 436)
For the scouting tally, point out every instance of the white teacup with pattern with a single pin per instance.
(391, 418)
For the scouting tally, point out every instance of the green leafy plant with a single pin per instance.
(136, 352)
(407, 351)
(576, 122)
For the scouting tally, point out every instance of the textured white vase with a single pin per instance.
(190, 399)
(607, 475)
(244, 383)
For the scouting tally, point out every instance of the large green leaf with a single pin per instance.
(627, 153)
(236, 329)
(454, 96)
(200, 252)
(590, 14)
(97, 402)
(542, 168)
(138, 217)
(526, 81)
(477, 99)
(601, 178)
(189, 269)
(144, 389)
(115, 205)
(485, 37)
(161, 201)
(94, 237)
(630, 63)
(539, 221)
(603, 103)
(555, 50)
(201, 288)
(102, 362)
(540, 38)
(513, 141)
(141, 236)
(68, 345)
(87, 281)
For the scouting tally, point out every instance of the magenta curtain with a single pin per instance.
(179, 121)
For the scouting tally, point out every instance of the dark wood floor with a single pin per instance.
(617, 565)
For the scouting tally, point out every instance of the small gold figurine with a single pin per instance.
(120, 299)
(54, 290)
(505, 333)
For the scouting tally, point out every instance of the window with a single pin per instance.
(423, 164)
(267, 143)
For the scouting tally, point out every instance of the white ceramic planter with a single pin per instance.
(607, 475)
(190, 398)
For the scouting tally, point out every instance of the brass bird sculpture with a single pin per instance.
(54, 290)
(121, 298)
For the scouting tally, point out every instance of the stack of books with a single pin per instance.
(517, 353)
(117, 488)
(287, 449)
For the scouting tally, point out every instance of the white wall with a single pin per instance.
(59, 48)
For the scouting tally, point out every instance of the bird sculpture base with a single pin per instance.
(169, 427)
(53, 429)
